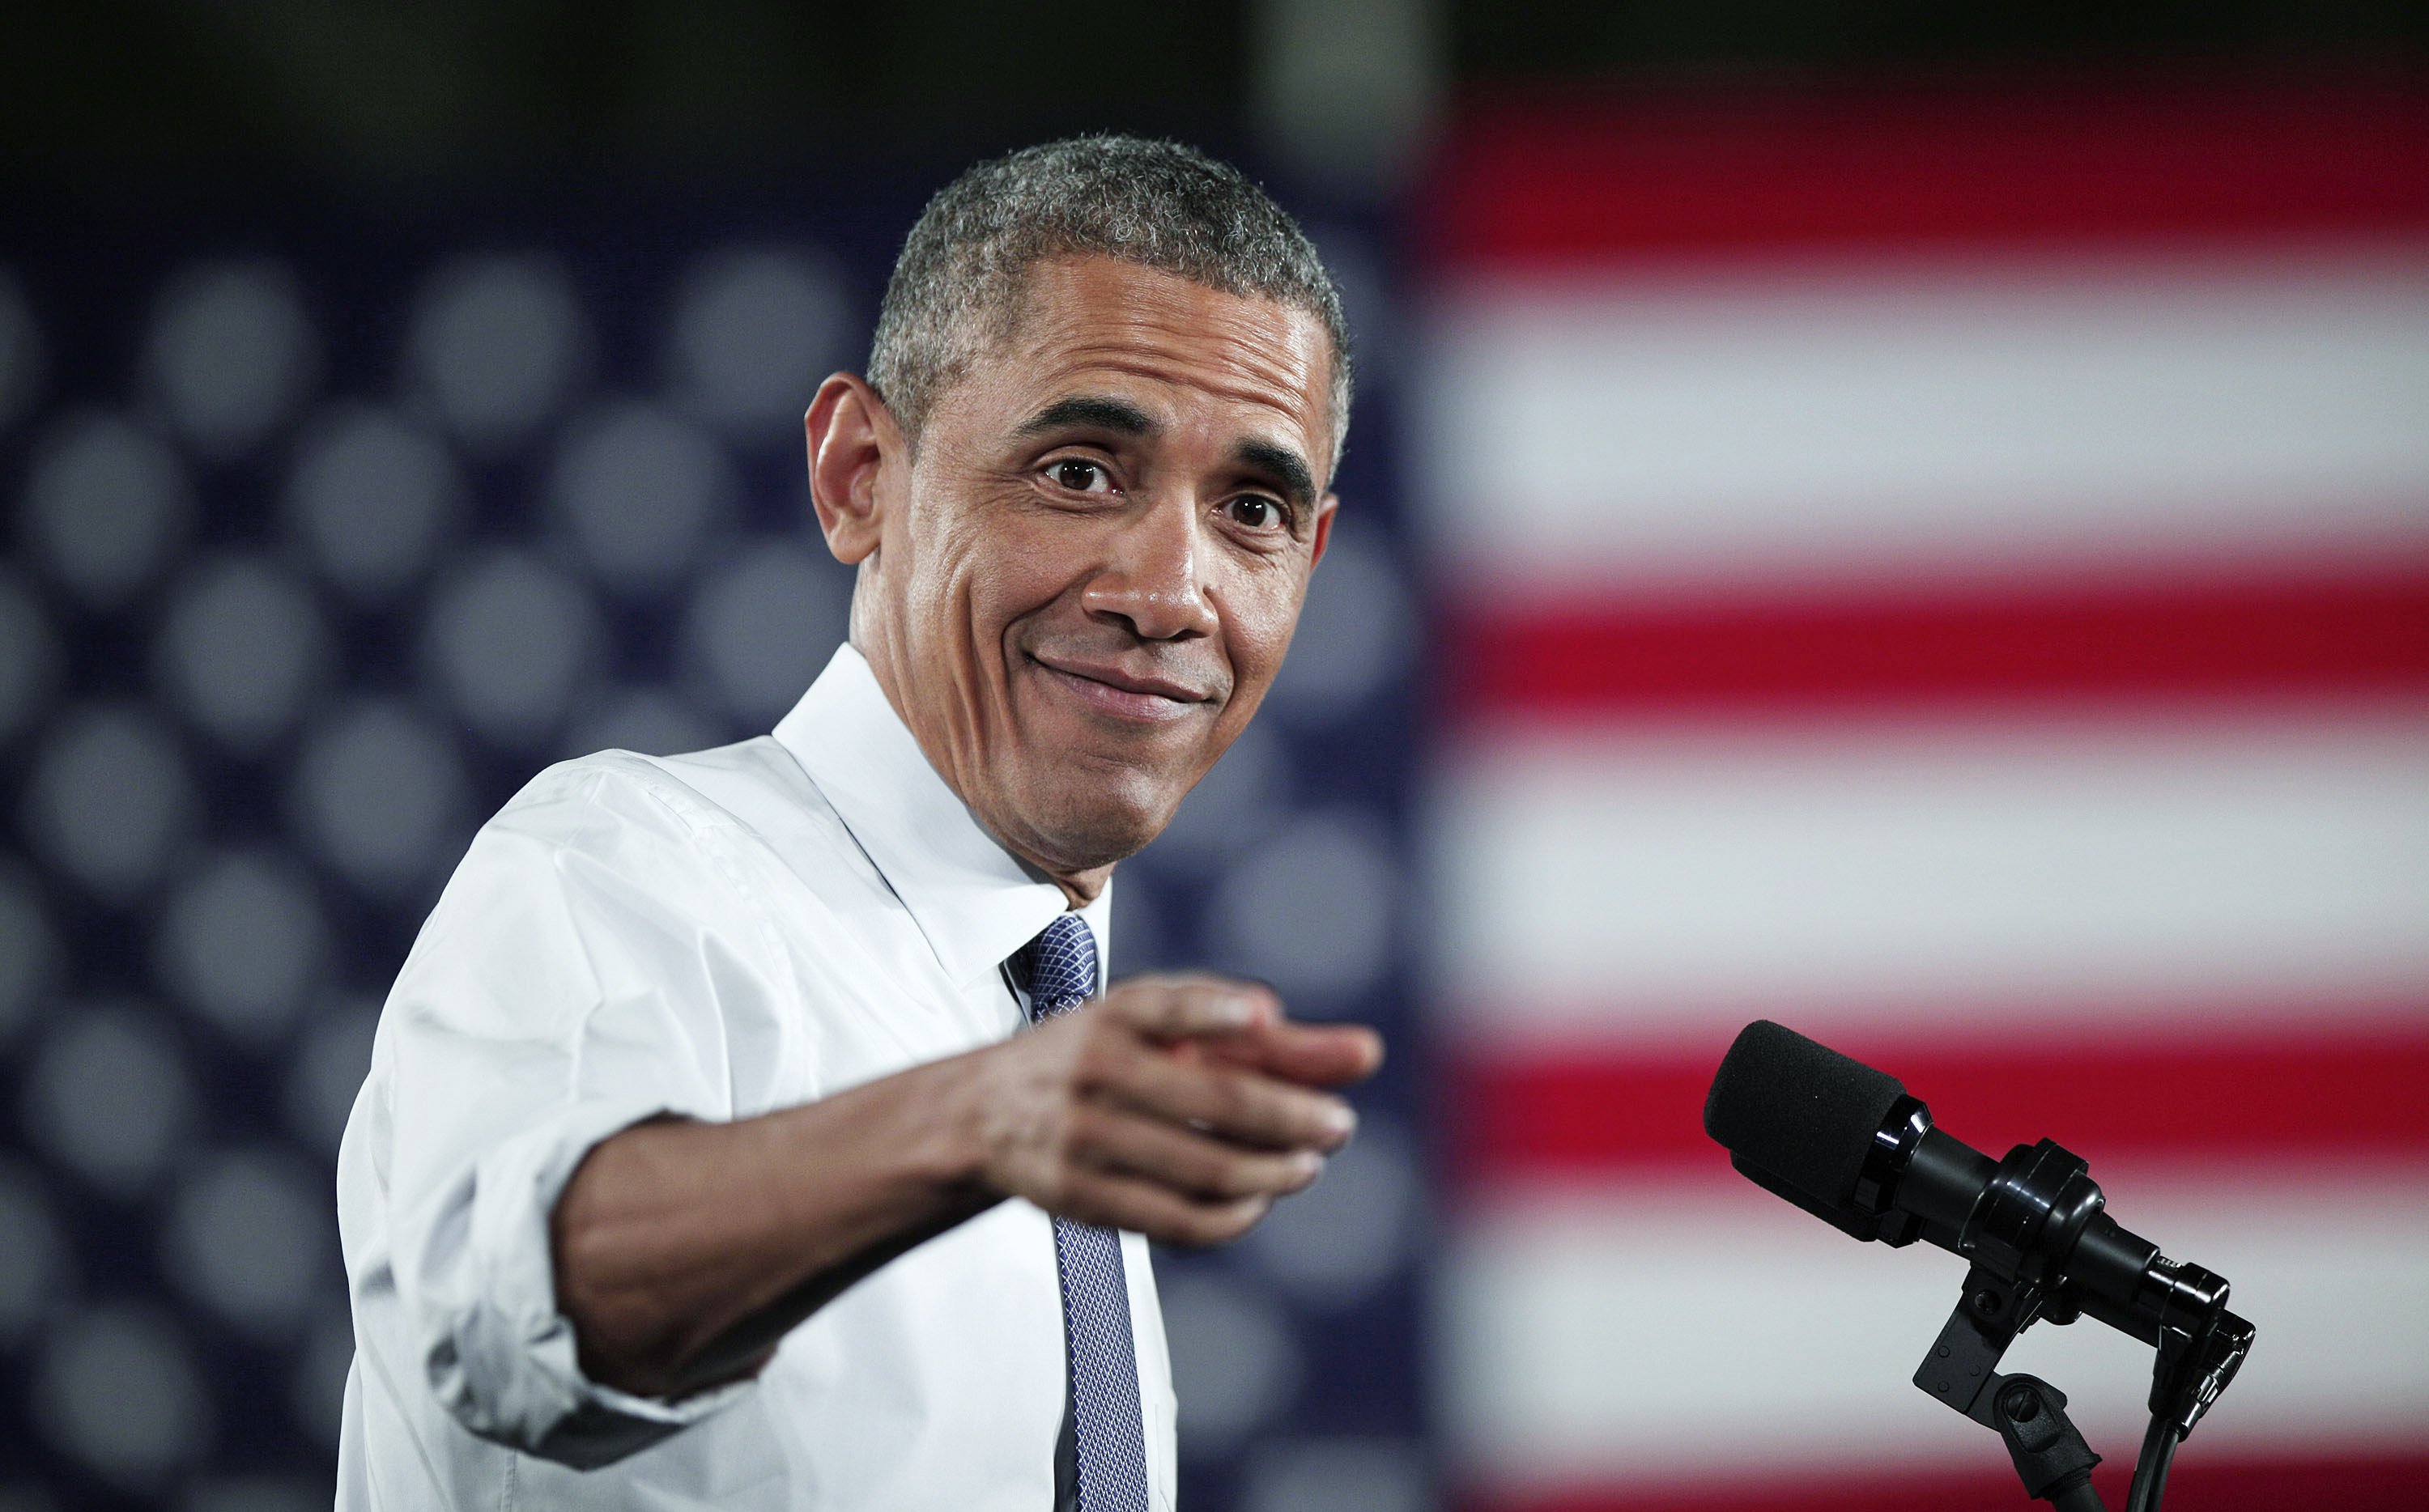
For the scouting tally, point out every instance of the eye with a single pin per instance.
(1080, 476)
(1255, 511)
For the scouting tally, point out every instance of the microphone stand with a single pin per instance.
(2200, 1345)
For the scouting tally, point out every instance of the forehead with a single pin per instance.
(1095, 324)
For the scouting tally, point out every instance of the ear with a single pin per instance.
(1324, 511)
(852, 439)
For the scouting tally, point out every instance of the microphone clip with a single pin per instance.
(2026, 1412)
(2200, 1345)
(1963, 1368)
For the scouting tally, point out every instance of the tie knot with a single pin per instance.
(1058, 967)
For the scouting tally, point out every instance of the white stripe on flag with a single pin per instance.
(1801, 424)
(1651, 877)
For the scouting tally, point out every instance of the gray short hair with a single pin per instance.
(957, 288)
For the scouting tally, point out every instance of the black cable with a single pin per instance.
(2151, 1467)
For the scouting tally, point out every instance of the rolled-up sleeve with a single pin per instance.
(590, 966)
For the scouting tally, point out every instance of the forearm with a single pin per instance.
(1178, 1106)
(683, 1251)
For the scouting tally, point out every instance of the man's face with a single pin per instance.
(1084, 582)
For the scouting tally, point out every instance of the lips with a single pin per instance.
(1124, 694)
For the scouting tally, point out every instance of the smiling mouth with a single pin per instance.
(1146, 700)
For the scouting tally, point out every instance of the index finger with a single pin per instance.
(1193, 1006)
(1313, 1055)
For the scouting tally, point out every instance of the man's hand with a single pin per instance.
(1178, 1106)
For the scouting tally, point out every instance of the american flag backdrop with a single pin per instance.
(1949, 572)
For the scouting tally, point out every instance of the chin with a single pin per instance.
(1102, 838)
(1097, 823)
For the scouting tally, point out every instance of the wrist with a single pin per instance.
(946, 1108)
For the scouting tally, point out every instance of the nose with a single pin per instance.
(1150, 576)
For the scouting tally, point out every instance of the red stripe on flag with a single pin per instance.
(2397, 1483)
(2294, 1092)
(2349, 633)
(1586, 180)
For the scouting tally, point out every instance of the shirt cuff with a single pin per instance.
(497, 1352)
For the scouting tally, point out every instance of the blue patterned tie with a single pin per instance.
(1060, 969)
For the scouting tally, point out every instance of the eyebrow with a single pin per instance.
(1282, 463)
(1101, 411)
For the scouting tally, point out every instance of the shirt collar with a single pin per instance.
(973, 899)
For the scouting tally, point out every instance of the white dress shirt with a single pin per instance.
(713, 935)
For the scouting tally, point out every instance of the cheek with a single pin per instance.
(979, 569)
(1012, 575)
(1261, 617)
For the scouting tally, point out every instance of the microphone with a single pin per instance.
(1846, 1144)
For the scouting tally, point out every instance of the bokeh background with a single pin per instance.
(1908, 519)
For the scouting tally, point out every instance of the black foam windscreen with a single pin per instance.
(1800, 1111)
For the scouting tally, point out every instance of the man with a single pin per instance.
(730, 1139)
